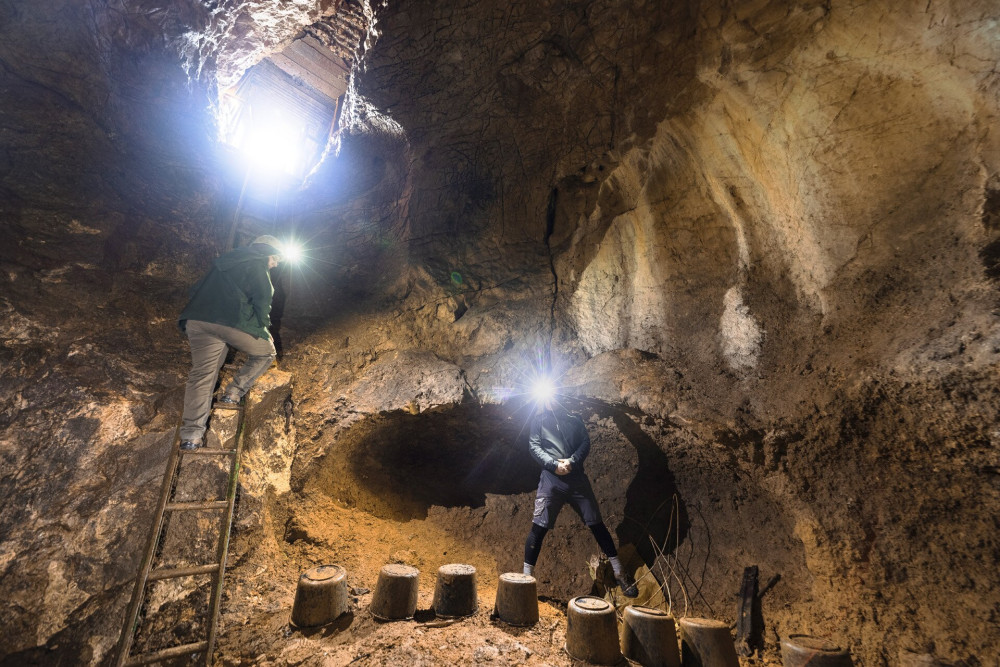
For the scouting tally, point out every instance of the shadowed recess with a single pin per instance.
(397, 465)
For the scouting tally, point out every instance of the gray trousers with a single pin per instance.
(209, 346)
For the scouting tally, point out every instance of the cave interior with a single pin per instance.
(755, 244)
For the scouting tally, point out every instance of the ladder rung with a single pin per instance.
(209, 451)
(207, 505)
(165, 654)
(175, 572)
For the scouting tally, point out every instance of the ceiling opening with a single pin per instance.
(281, 114)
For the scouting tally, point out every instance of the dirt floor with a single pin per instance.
(261, 588)
(454, 485)
(388, 491)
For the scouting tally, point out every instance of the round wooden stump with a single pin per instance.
(649, 637)
(320, 597)
(395, 597)
(592, 631)
(706, 642)
(800, 650)
(517, 599)
(455, 592)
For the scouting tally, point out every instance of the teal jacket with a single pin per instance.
(236, 292)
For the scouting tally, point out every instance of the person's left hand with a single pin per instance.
(563, 467)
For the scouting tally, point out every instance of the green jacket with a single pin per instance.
(236, 292)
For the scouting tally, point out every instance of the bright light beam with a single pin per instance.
(273, 148)
(543, 389)
(291, 252)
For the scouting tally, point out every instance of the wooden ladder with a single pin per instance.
(148, 574)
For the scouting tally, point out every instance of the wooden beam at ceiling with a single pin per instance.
(308, 60)
(269, 82)
(329, 89)
(312, 48)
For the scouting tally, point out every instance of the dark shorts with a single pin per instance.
(554, 491)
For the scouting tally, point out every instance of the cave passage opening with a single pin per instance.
(281, 114)
(469, 468)
(397, 465)
(276, 125)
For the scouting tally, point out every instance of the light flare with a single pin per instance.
(543, 389)
(274, 148)
(291, 252)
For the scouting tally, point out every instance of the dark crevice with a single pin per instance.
(991, 210)
(990, 256)
(550, 225)
(990, 253)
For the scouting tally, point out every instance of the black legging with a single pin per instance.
(533, 545)
(604, 540)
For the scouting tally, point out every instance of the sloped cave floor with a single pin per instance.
(456, 484)
(869, 510)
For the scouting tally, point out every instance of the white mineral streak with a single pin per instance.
(360, 113)
(741, 335)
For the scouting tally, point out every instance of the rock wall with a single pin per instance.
(108, 199)
(768, 228)
(785, 206)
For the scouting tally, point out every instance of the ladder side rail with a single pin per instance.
(196, 506)
(226, 526)
(138, 591)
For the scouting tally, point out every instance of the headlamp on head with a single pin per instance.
(543, 389)
(291, 252)
(287, 251)
(267, 245)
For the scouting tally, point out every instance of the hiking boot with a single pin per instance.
(190, 445)
(228, 401)
(627, 584)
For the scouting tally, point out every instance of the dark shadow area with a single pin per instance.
(756, 641)
(398, 465)
(990, 255)
(697, 579)
(70, 646)
(654, 522)
(419, 616)
(337, 625)
(280, 279)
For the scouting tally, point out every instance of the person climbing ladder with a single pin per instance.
(229, 306)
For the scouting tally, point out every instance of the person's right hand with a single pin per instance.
(562, 468)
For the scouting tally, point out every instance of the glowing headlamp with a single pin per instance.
(291, 252)
(543, 389)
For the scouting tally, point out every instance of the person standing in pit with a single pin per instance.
(559, 442)
(229, 306)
